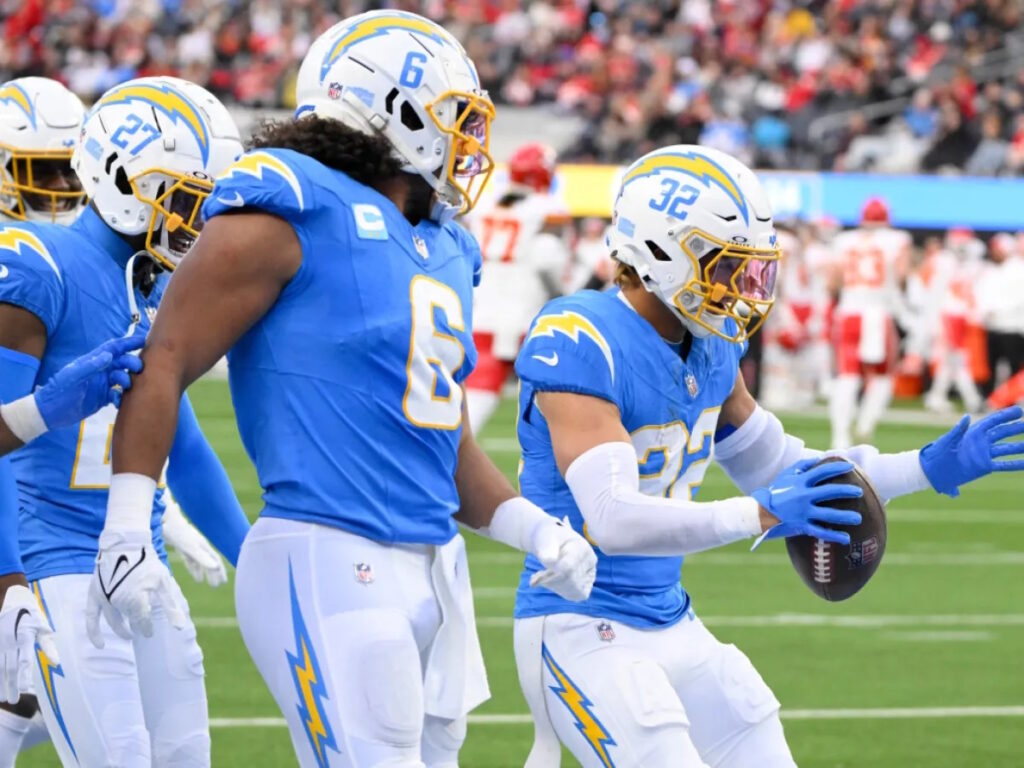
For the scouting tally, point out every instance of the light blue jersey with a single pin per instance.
(595, 344)
(72, 279)
(347, 391)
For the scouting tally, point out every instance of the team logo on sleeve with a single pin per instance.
(255, 164)
(573, 325)
(12, 93)
(20, 241)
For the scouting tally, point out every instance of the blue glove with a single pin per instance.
(85, 385)
(969, 451)
(794, 498)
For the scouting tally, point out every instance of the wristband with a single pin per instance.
(130, 502)
(23, 418)
(515, 523)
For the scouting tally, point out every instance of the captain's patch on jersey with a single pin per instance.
(370, 223)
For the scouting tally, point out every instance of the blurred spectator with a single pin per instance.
(991, 155)
(787, 83)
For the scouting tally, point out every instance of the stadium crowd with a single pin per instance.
(778, 83)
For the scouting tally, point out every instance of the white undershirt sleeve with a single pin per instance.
(755, 454)
(620, 520)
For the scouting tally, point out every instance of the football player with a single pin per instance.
(145, 156)
(956, 271)
(525, 255)
(626, 396)
(873, 262)
(332, 274)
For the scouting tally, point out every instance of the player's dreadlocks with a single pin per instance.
(366, 159)
(370, 160)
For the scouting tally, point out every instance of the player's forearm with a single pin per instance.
(8, 440)
(480, 485)
(10, 552)
(148, 417)
(759, 449)
(621, 520)
(203, 489)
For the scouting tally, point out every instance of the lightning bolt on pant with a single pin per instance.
(132, 704)
(622, 697)
(343, 631)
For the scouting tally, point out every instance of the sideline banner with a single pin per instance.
(916, 202)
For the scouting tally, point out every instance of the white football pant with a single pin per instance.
(622, 697)
(349, 638)
(133, 704)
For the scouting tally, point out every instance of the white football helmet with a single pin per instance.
(39, 124)
(403, 76)
(696, 226)
(147, 156)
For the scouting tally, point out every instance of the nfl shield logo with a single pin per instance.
(421, 246)
(691, 384)
(364, 573)
(863, 552)
(334, 91)
(151, 314)
(605, 632)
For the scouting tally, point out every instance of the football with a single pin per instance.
(835, 572)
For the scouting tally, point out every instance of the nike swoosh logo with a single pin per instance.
(236, 202)
(113, 585)
(552, 360)
(781, 490)
(4, 271)
(21, 615)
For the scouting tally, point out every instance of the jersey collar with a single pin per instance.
(93, 228)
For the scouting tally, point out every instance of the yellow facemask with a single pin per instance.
(176, 208)
(470, 164)
(22, 183)
(731, 281)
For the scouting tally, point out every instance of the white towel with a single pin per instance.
(455, 680)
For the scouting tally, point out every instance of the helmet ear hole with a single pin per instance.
(656, 251)
(121, 181)
(410, 119)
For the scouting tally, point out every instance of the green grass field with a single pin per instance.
(923, 668)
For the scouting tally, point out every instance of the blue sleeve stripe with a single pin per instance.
(17, 374)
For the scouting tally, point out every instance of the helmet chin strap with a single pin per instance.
(129, 284)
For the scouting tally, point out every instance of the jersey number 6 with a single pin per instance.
(432, 397)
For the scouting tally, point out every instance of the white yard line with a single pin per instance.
(729, 559)
(895, 713)
(769, 620)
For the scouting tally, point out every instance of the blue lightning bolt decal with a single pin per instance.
(694, 164)
(580, 706)
(309, 683)
(167, 100)
(15, 94)
(49, 671)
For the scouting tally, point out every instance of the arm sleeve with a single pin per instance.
(566, 351)
(31, 278)
(17, 376)
(605, 483)
(202, 488)
(759, 449)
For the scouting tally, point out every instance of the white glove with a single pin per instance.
(129, 581)
(200, 557)
(570, 565)
(22, 626)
